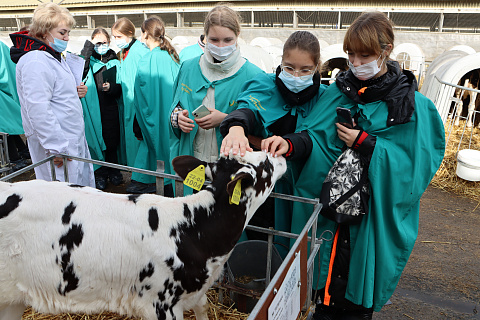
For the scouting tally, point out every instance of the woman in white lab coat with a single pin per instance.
(51, 111)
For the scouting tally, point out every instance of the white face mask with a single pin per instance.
(221, 53)
(101, 49)
(366, 71)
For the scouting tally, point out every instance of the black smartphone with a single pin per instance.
(345, 117)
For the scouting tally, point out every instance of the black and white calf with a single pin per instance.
(65, 248)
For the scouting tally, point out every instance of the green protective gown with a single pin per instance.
(10, 119)
(190, 89)
(404, 160)
(262, 97)
(91, 111)
(153, 97)
(190, 52)
(126, 76)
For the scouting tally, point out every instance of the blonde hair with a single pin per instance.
(155, 28)
(371, 32)
(48, 16)
(223, 16)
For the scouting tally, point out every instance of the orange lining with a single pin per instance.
(330, 267)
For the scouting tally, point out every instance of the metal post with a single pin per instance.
(89, 22)
(144, 16)
(160, 180)
(295, 19)
(115, 17)
(65, 168)
(180, 20)
(252, 21)
(19, 23)
(178, 188)
(52, 168)
(269, 259)
(339, 21)
(440, 22)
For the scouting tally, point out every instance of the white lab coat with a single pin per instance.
(52, 116)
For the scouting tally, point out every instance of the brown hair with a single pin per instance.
(102, 31)
(48, 16)
(125, 27)
(223, 16)
(305, 41)
(155, 28)
(371, 32)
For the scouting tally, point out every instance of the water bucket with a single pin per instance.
(468, 164)
(246, 269)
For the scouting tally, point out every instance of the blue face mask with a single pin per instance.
(101, 49)
(121, 43)
(58, 45)
(295, 84)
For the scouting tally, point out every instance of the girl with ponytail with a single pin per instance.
(153, 96)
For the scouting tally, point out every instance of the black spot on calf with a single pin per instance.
(67, 213)
(73, 237)
(153, 218)
(75, 186)
(134, 197)
(10, 204)
(147, 272)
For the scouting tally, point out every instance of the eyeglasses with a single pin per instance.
(303, 74)
(98, 44)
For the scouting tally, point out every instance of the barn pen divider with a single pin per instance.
(448, 90)
(303, 251)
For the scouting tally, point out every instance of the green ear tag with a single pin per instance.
(237, 193)
(195, 178)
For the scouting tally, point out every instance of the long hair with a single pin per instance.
(155, 28)
(125, 27)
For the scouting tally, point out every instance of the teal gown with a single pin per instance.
(91, 111)
(190, 89)
(10, 119)
(190, 52)
(126, 76)
(156, 74)
(262, 97)
(404, 160)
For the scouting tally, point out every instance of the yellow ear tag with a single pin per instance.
(237, 193)
(195, 178)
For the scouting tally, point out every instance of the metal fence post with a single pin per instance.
(160, 180)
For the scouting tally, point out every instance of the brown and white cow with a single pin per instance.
(66, 248)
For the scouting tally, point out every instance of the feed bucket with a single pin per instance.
(246, 270)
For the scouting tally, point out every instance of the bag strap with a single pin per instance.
(363, 178)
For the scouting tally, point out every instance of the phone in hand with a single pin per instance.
(345, 117)
(201, 112)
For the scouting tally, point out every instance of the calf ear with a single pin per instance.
(184, 164)
(247, 180)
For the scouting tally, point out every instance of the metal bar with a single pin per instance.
(52, 169)
(160, 180)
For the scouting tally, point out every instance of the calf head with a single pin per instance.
(258, 172)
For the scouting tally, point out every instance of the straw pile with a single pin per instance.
(217, 311)
(446, 177)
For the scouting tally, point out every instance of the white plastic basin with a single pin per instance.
(468, 164)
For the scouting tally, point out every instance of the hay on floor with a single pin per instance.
(217, 311)
(446, 177)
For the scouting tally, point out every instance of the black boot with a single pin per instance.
(323, 312)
